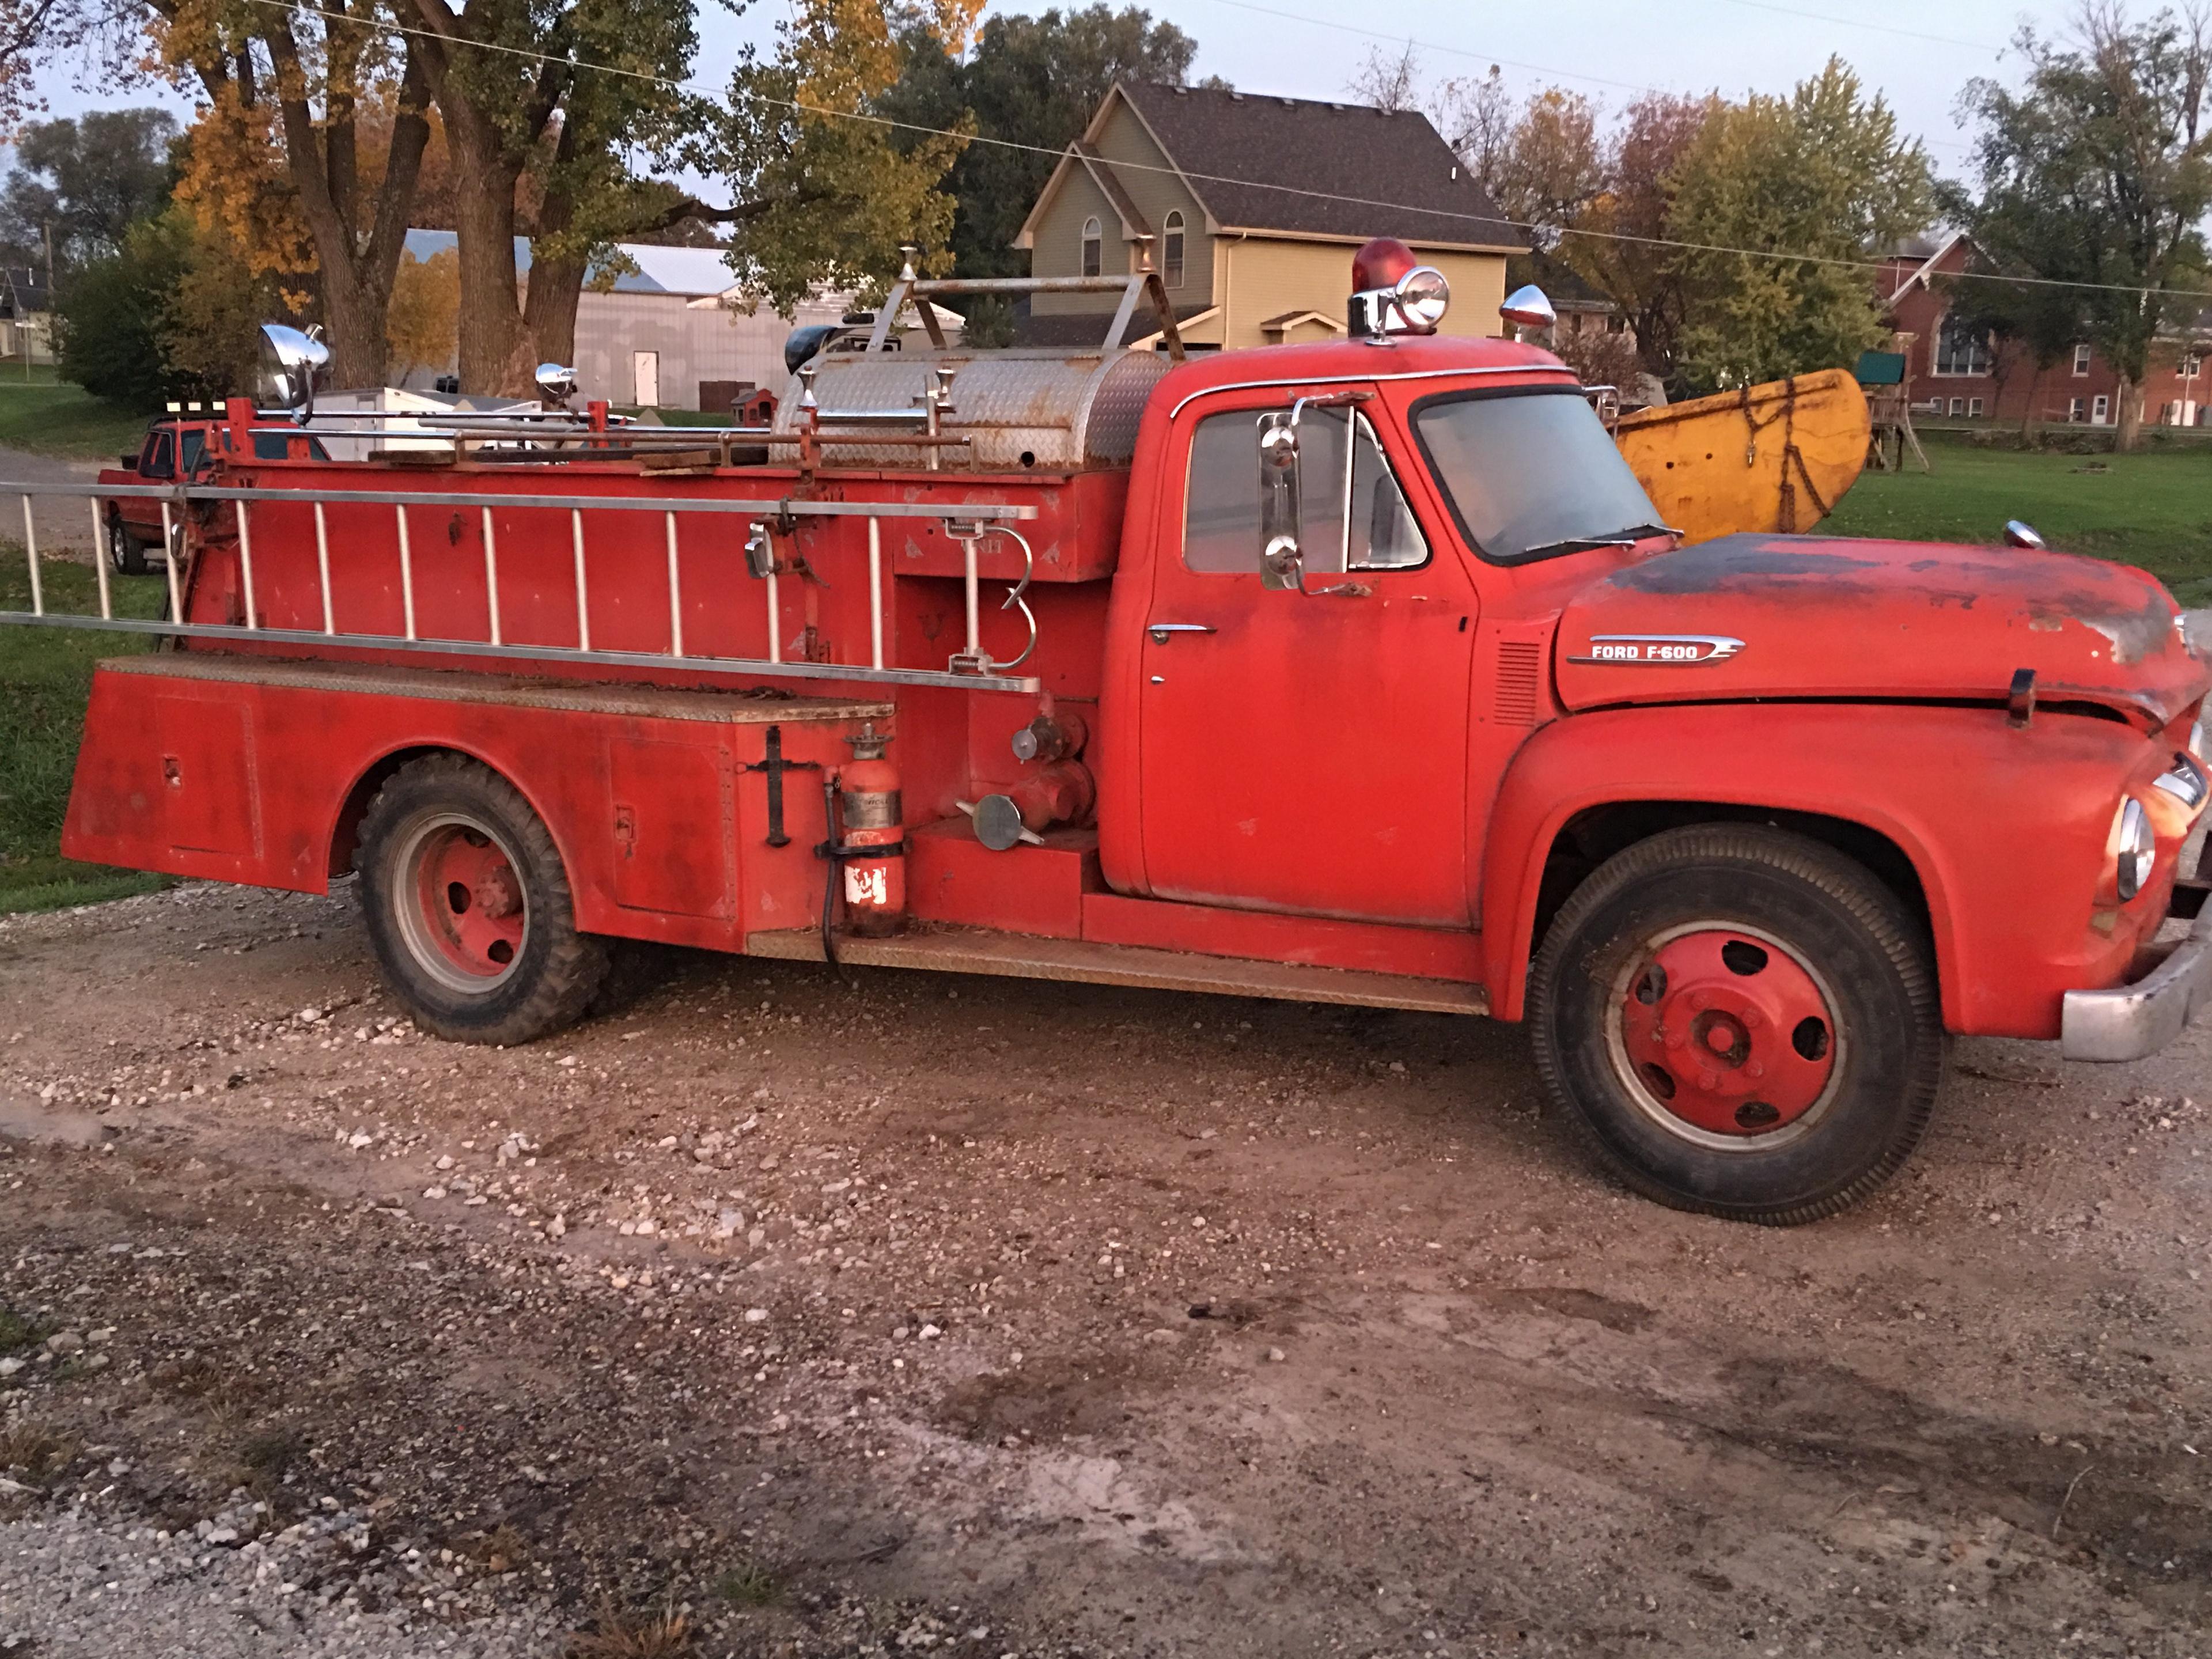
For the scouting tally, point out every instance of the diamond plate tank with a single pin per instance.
(1057, 410)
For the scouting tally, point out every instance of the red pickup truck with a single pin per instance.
(1355, 672)
(177, 446)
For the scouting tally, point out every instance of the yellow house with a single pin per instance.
(1251, 207)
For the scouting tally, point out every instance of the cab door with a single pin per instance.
(1306, 752)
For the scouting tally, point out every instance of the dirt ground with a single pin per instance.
(987, 1317)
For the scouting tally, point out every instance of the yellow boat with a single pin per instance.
(1777, 456)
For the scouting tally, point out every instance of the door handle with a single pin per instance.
(1160, 631)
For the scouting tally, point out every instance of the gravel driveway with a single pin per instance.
(61, 524)
(976, 1317)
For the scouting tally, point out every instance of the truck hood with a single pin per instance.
(1765, 616)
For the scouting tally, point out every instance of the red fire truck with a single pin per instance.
(1355, 672)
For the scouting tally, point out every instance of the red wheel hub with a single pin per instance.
(1727, 1033)
(471, 900)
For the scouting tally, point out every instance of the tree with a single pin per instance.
(108, 321)
(1812, 186)
(1032, 86)
(555, 91)
(2097, 172)
(1619, 242)
(86, 181)
(825, 188)
(34, 33)
(172, 312)
(426, 308)
(302, 82)
(1551, 167)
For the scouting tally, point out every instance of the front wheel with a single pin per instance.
(469, 907)
(1741, 1021)
(124, 550)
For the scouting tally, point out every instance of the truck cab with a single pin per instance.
(178, 446)
(1357, 673)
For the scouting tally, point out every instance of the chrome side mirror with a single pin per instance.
(293, 365)
(2017, 534)
(1281, 567)
(556, 382)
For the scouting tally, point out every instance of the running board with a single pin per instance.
(1021, 955)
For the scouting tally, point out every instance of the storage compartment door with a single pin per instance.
(674, 826)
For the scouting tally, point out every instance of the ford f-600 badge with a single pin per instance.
(1668, 650)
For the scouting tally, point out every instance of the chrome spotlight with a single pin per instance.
(558, 383)
(293, 364)
(1527, 308)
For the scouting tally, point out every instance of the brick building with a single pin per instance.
(1951, 373)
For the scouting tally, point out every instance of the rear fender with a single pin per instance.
(2003, 827)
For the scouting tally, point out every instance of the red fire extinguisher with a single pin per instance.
(873, 849)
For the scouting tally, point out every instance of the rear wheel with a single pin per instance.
(124, 550)
(1741, 1021)
(469, 907)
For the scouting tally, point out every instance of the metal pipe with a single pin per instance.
(774, 613)
(849, 674)
(675, 595)
(169, 559)
(406, 572)
(31, 552)
(876, 592)
(101, 553)
(1099, 284)
(245, 569)
(583, 600)
(491, 575)
(323, 568)
(975, 607)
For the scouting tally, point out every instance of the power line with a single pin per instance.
(1862, 23)
(695, 88)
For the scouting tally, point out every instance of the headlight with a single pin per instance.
(2185, 781)
(2134, 847)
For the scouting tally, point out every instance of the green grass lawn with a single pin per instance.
(66, 420)
(2153, 508)
(46, 676)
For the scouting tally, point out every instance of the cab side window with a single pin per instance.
(195, 455)
(1352, 513)
(160, 460)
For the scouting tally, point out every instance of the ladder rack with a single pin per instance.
(972, 669)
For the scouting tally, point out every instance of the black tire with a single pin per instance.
(451, 855)
(124, 550)
(1841, 934)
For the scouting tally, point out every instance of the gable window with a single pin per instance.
(1961, 349)
(1171, 250)
(1091, 247)
(2081, 360)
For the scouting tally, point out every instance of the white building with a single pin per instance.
(668, 326)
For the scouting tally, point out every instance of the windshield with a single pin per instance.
(1531, 474)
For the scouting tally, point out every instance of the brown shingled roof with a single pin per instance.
(1299, 160)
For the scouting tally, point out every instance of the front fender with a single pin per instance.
(2004, 826)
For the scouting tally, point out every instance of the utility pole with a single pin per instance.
(50, 301)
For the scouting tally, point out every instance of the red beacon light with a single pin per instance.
(1393, 293)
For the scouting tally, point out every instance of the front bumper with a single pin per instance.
(2130, 1021)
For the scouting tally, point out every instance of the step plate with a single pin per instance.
(1017, 956)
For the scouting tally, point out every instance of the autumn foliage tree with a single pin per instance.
(2098, 171)
(278, 159)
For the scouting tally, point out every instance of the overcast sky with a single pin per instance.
(1918, 57)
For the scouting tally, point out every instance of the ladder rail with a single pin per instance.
(971, 669)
